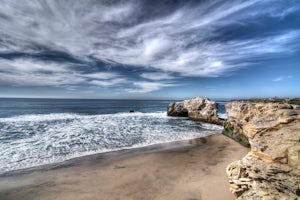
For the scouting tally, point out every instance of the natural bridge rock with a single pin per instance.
(197, 108)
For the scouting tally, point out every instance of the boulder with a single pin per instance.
(271, 170)
(197, 108)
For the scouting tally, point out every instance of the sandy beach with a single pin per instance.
(188, 170)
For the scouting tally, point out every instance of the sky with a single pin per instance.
(149, 49)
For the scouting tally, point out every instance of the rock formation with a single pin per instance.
(271, 170)
(197, 108)
(177, 109)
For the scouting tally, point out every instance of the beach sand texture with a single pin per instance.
(186, 170)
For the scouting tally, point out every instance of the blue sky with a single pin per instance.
(142, 49)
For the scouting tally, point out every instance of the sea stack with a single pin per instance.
(197, 108)
(271, 170)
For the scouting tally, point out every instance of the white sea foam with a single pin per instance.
(30, 140)
(222, 115)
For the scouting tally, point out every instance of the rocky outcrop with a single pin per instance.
(271, 170)
(177, 109)
(197, 108)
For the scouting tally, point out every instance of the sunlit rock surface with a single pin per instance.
(271, 170)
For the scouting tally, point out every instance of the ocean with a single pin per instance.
(42, 131)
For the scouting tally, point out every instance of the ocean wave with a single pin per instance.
(30, 140)
(222, 115)
(66, 116)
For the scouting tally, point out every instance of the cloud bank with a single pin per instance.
(166, 40)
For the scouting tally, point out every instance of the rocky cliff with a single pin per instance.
(271, 170)
(197, 108)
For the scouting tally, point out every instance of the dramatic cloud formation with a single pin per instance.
(56, 43)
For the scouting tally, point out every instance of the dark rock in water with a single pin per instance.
(197, 108)
(131, 111)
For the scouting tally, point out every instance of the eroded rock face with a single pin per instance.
(197, 108)
(271, 170)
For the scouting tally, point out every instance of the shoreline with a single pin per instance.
(189, 169)
(105, 156)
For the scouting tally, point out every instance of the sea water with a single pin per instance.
(42, 131)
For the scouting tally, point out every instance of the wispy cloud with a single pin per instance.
(185, 39)
(31, 72)
(111, 82)
(145, 86)
(101, 75)
(277, 79)
(281, 78)
(157, 76)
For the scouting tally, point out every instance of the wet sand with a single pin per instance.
(186, 170)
